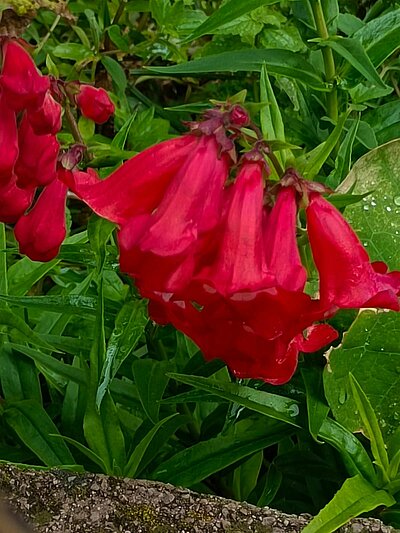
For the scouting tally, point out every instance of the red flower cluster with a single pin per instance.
(213, 247)
(30, 118)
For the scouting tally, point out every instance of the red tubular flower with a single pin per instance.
(283, 258)
(240, 258)
(36, 163)
(22, 84)
(47, 118)
(138, 185)
(347, 277)
(8, 140)
(94, 103)
(41, 231)
(190, 208)
(14, 201)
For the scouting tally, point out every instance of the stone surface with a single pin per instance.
(59, 501)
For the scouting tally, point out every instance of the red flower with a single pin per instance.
(22, 84)
(14, 201)
(161, 254)
(8, 140)
(47, 118)
(94, 103)
(347, 277)
(41, 231)
(36, 163)
(138, 185)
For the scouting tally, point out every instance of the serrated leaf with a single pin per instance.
(376, 218)
(371, 352)
(356, 496)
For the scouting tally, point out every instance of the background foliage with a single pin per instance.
(87, 382)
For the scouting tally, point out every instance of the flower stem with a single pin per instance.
(329, 62)
(73, 125)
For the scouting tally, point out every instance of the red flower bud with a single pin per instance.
(239, 116)
(94, 103)
(22, 84)
(41, 231)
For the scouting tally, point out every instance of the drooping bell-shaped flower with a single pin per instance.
(138, 185)
(37, 160)
(47, 118)
(190, 208)
(13, 200)
(346, 276)
(22, 84)
(94, 103)
(239, 263)
(282, 253)
(8, 140)
(42, 230)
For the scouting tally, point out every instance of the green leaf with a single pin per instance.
(138, 455)
(74, 51)
(272, 484)
(205, 458)
(245, 476)
(282, 62)
(376, 218)
(84, 450)
(18, 376)
(317, 409)
(379, 37)
(9, 319)
(120, 139)
(343, 158)
(129, 327)
(356, 496)
(34, 426)
(69, 304)
(151, 379)
(372, 342)
(117, 74)
(311, 163)
(354, 455)
(226, 13)
(353, 52)
(370, 425)
(23, 274)
(270, 405)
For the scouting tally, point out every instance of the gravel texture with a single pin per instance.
(61, 501)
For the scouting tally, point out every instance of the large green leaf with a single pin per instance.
(265, 403)
(151, 380)
(377, 218)
(371, 352)
(229, 11)
(205, 458)
(283, 62)
(70, 304)
(356, 496)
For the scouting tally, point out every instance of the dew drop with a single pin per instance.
(366, 208)
(293, 410)
(373, 204)
(396, 200)
(342, 396)
(388, 209)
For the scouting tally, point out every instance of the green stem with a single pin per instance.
(3, 260)
(329, 62)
